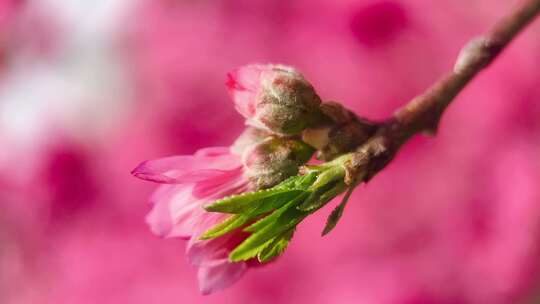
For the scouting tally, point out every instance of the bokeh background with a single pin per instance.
(88, 89)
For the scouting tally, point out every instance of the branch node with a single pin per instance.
(475, 55)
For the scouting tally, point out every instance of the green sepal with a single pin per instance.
(276, 248)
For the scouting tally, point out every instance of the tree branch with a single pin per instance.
(423, 113)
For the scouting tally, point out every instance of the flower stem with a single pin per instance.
(423, 113)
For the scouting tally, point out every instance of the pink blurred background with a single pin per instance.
(88, 89)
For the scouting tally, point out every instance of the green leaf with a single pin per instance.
(269, 219)
(289, 183)
(276, 247)
(336, 214)
(332, 193)
(322, 196)
(328, 176)
(298, 182)
(247, 253)
(305, 181)
(237, 220)
(311, 203)
(285, 218)
(268, 201)
(228, 225)
(274, 202)
(272, 198)
(243, 202)
(328, 183)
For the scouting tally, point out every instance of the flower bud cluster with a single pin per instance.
(278, 104)
(288, 123)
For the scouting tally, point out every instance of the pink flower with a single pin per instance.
(274, 97)
(189, 182)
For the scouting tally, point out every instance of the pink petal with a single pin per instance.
(186, 213)
(205, 252)
(221, 186)
(213, 151)
(243, 85)
(220, 275)
(161, 220)
(175, 212)
(186, 168)
(178, 210)
(203, 175)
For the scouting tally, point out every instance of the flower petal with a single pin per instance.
(205, 252)
(178, 210)
(219, 276)
(221, 186)
(243, 85)
(187, 168)
(165, 223)
(159, 219)
(186, 212)
(213, 151)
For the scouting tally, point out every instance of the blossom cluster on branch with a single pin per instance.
(239, 206)
(257, 191)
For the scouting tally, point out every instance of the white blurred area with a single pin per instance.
(62, 75)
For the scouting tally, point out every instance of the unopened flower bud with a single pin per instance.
(249, 137)
(273, 160)
(274, 97)
(345, 133)
(345, 138)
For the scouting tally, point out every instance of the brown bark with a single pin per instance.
(423, 113)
